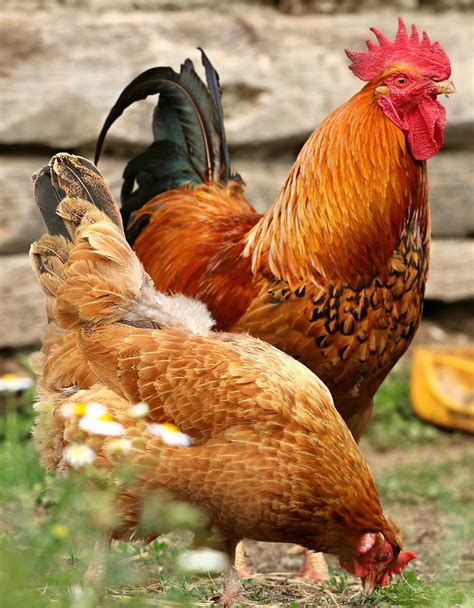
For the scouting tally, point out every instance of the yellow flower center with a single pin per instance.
(171, 427)
(80, 409)
(59, 531)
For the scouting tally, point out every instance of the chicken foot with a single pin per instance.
(314, 568)
(232, 593)
(241, 566)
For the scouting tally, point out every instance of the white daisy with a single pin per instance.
(170, 434)
(119, 446)
(80, 409)
(104, 425)
(95, 410)
(139, 410)
(11, 383)
(67, 410)
(78, 455)
(202, 560)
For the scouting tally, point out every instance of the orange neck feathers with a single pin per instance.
(348, 196)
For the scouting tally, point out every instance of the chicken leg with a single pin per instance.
(232, 583)
(314, 568)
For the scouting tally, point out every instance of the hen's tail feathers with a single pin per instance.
(74, 177)
(189, 144)
(48, 257)
(47, 195)
(84, 262)
(65, 177)
(93, 275)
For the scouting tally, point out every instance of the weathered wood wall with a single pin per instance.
(62, 69)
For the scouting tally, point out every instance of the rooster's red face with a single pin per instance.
(409, 99)
(409, 73)
(377, 561)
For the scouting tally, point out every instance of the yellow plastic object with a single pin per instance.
(442, 385)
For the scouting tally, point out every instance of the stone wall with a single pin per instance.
(293, 7)
(61, 69)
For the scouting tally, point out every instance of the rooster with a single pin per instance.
(334, 273)
(113, 340)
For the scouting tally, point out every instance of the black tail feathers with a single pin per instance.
(189, 144)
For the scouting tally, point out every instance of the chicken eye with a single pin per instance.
(385, 556)
(401, 81)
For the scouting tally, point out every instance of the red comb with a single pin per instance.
(428, 57)
(403, 558)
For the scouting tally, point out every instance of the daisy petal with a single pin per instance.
(95, 410)
(78, 455)
(171, 435)
(95, 426)
(202, 560)
(11, 383)
(139, 410)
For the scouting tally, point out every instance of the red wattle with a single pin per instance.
(423, 125)
(426, 125)
(384, 580)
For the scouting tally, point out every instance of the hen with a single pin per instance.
(334, 273)
(271, 460)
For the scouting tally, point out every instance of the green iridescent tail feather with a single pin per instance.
(189, 144)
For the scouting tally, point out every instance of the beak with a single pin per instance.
(444, 86)
(369, 583)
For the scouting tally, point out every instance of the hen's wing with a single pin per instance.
(206, 384)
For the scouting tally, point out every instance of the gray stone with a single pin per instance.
(20, 222)
(22, 305)
(451, 193)
(451, 181)
(451, 275)
(293, 7)
(62, 70)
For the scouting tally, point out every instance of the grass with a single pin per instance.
(48, 526)
(444, 492)
(450, 483)
(410, 591)
(394, 422)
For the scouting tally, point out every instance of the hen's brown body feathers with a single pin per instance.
(258, 440)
